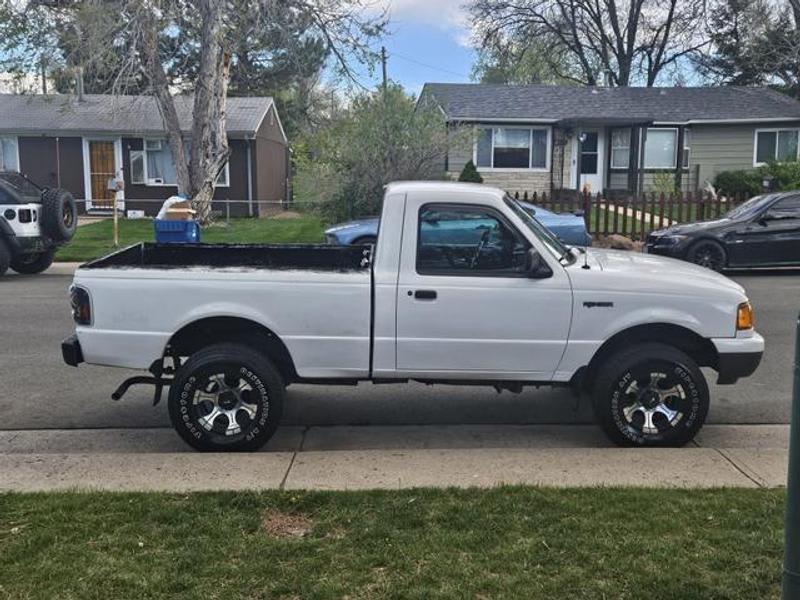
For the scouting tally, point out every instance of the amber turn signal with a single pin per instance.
(744, 316)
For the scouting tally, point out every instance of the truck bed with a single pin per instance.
(317, 257)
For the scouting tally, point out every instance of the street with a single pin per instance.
(40, 392)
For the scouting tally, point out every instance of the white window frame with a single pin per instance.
(776, 131)
(674, 154)
(687, 148)
(613, 147)
(16, 148)
(529, 169)
(165, 147)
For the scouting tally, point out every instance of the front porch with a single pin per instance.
(622, 157)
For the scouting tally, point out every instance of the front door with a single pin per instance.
(102, 167)
(465, 307)
(588, 161)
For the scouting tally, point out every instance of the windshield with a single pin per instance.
(540, 231)
(748, 209)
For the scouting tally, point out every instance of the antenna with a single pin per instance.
(586, 259)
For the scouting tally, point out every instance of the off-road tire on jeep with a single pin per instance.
(59, 217)
(30, 264)
(650, 394)
(226, 397)
(5, 257)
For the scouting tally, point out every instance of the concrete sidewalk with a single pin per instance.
(340, 458)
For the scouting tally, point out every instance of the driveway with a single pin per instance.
(40, 392)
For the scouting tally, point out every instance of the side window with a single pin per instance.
(788, 208)
(465, 240)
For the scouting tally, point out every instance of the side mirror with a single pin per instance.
(535, 265)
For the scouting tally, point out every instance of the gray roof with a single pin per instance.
(136, 115)
(474, 102)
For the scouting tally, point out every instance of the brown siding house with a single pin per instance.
(83, 145)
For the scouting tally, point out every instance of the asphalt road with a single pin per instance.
(37, 391)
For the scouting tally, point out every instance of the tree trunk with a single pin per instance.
(209, 151)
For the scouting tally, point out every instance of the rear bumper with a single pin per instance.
(71, 351)
(738, 357)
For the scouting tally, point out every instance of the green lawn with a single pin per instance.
(513, 542)
(95, 240)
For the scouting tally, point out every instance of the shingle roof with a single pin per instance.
(556, 103)
(115, 114)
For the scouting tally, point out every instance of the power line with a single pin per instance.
(426, 65)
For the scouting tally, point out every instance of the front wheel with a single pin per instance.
(651, 395)
(226, 397)
(30, 264)
(709, 254)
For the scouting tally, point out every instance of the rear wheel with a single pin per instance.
(5, 257)
(30, 264)
(226, 397)
(709, 254)
(651, 395)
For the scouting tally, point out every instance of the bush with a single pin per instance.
(470, 174)
(786, 176)
(738, 183)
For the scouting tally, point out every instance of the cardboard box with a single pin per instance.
(180, 211)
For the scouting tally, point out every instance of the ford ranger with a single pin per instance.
(463, 286)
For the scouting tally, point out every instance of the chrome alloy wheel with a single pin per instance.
(654, 403)
(225, 404)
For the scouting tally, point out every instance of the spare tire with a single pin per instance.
(59, 217)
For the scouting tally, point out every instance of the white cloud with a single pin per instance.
(446, 14)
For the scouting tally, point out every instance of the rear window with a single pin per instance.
(21, 184)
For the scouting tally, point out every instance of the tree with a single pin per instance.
(469, 173)
(151, 40)
(343, 167)
(754, 42)
(601, 42)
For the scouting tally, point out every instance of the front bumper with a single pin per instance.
(664, 246)
(71, 351)
(738, 357)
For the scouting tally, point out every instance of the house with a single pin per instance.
(629, 140)
(84, 145)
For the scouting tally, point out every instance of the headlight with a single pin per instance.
(672, 239)
(744, 316)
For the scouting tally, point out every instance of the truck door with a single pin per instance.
(465, 306)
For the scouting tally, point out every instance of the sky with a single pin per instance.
(427, 41)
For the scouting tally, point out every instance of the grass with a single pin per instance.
(95, 240)
(512, 542)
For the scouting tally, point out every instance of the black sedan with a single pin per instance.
(762, 232)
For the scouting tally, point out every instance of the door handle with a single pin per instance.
(425, 295)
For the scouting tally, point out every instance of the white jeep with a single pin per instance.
(34, 222)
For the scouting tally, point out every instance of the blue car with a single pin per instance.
(568, 227)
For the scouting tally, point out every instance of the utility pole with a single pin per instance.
(383, 66)
(791, 557)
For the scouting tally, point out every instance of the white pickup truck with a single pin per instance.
(463, 287)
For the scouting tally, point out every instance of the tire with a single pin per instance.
(30, 264)
(709, 254)
(59, 217)
(196, 393)
(5, 257)
(634, 408)
(363, 241)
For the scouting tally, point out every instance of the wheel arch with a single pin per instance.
(700, 349)
(203, 332)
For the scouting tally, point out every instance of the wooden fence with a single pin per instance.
(634, 216)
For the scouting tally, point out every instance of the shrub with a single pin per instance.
(738, 183)
(470, 174)
(786, 175)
